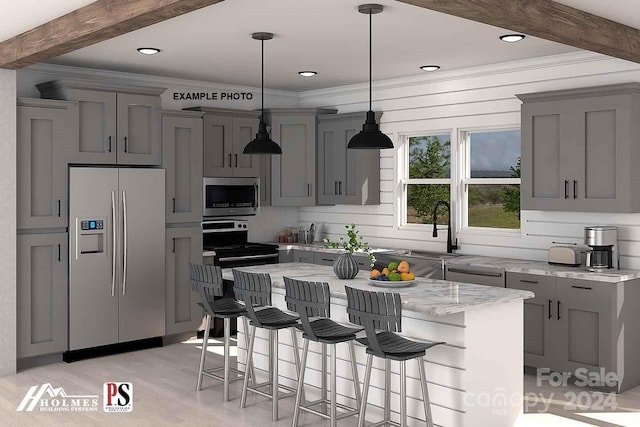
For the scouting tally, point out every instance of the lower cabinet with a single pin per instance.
(183, 245)
(42, 294)
(303, 256)
(324, 258)
(477, 275)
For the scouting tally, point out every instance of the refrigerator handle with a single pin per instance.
(113, 243)
(124, 242)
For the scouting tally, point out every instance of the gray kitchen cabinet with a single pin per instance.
(182, 160)
(285, 255)
(44, 136)
(42, 294)
(577, 149)
(226, 133)
(488, 276)
(300, 255)
(348, 177)
(183, 245)
(293, 173)
(324, 258)
(118, 124)
(265, 180)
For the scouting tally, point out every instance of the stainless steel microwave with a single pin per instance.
(230, 196)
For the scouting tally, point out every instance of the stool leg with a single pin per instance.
(425, 392)
(205, 341)
(245, 329)
(296, 355)
(365, 390)
(403, 393)
(248, 367)
(323, 383)
(300, 388)
(354, 374)
(333, 409)
(227, 336)
(274, 368)
(387, 390)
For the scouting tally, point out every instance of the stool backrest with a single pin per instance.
(207, 281)
(254, 289)
(375, 311)
(308, 299)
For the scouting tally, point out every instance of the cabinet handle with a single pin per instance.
(550, 309)
(173, 245)
(125, 144)
(109, 143)
(308, 190)
(236, 159)
(340, 188)
(59, 252)
(575, 189)
(58, 208)
(588, 288)
(327, 259)
(229, 159)
(558, 308)
(174, 205)
(528, 281)
(335, 190)
(566, 188)
(476, 273)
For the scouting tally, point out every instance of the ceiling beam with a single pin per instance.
(98, 21)
(548, 20)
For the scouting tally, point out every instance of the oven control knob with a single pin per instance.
(239, 225)
(244, 225)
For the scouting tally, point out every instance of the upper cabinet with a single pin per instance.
(182, 160)
(293, 173)
(580, 148)
(118, 124)
(226, 133)
(346, 177)
(45, 135)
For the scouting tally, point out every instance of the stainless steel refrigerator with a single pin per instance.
(117, 256)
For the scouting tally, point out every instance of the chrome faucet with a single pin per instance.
(450, 246)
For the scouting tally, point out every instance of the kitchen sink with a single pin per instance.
(422, 263)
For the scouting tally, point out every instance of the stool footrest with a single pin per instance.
(255, 389)
(385, 423)
(210, 373)
(308, 408)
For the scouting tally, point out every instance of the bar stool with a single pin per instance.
(207, 281)
(312, 299)
(381, 314)
(254, 289)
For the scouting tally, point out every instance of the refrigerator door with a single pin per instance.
(141, 287)
(93, 272)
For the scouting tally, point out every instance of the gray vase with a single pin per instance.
(345, 266)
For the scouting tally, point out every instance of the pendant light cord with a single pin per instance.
(262, 81)
(370, 62)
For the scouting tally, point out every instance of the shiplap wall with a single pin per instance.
(477, 98)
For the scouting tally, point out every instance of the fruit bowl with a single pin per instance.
(391, 284)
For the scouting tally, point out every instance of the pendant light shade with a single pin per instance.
(370, 136)
(262, 144)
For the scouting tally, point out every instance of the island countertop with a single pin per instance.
(433, 297)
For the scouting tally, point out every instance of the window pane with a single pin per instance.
(422, 198)
(494, 206)
(429, 156)
(495, 154)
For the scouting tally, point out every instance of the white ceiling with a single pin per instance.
(329, 36)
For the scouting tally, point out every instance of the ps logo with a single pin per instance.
(117, 397)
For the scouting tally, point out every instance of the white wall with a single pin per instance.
(481, 97)
(8, 222)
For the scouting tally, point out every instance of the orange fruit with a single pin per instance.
(385, 271)
(374, 273)
(407, 276)
(403, 267)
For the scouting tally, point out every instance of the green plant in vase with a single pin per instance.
(353, 243)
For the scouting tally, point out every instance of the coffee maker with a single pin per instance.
(603, 248)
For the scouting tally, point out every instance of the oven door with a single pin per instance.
(230, 196)
(231, 260)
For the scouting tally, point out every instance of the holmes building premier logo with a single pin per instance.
(118, 397)
(49, 399)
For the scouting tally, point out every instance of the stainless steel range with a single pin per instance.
(225, 242)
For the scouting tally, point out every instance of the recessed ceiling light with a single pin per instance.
(148, 50)
(512, 38)
(307, 73)
(430, 68)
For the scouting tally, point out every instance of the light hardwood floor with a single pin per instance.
(164, 394)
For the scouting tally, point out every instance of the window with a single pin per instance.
(491, 179)
(427, 177)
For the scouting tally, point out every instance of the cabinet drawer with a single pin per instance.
(303, 256)
(324, 258)
(529, 281)
(476, 275)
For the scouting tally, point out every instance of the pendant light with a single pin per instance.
(262, 144)
(370, 136)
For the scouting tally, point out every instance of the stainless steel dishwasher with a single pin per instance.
(489, 276)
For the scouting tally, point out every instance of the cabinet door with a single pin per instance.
(331, 162)
(585, 322)
(184, 245)
(244, 131)
(138, 129)
(217, 157)
(540, 337)
(293, 173)
(43, 138)
(285, 255)
(42, 294)
(303, 256)
(324, 258)
(265, 180)
(96, 127)
(182, 148)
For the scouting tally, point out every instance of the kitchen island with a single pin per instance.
(475, 379)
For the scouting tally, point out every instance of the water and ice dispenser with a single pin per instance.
(91, 236)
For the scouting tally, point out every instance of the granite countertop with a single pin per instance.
(319, 247)
(542, 268)
(433, 297)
